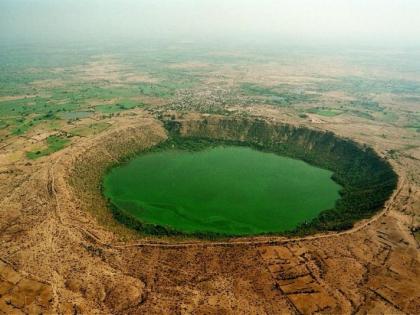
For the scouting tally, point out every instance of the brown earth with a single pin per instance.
(63, 253)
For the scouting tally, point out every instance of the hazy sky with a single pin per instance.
(300, 20)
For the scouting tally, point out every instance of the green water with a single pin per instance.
(228, 189)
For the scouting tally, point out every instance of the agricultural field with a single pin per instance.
(59, 89)
(71, 115)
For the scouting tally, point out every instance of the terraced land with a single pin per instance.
(66, 118)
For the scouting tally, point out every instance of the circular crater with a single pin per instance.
(227, 176)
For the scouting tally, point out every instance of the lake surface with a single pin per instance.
(230, 190)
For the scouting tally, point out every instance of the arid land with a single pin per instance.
(61, 251)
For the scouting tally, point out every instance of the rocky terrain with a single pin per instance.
(62, 252)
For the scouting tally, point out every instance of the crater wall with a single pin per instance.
(367, 179)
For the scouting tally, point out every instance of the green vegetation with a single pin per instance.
(50, 88)
(278, 95)
(3, 124)
(324, 111)
(165, 89)
(388, 117)
(359, 86)
(54, 143)
(91, 129)
(365, 103)
(115, 108)
(35, 105)
(361, 114)
(54, 83)
(367, 180)
(413, 121)
(75, 115)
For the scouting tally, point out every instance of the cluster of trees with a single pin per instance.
(367, 180)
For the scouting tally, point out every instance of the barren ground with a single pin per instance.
(62, 252)
(56, 257)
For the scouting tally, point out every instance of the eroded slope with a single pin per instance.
(49, 235)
